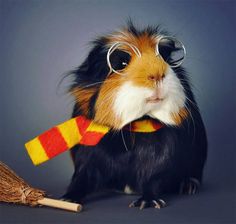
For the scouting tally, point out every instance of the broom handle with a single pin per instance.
(60, 204)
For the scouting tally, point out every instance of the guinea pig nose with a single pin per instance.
(155, 77)
(152, 78)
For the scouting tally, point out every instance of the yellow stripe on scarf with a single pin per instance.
(79, 130)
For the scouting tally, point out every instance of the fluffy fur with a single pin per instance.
(169, 160)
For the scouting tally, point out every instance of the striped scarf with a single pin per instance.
(78, 130)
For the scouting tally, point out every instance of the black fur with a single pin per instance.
(93, 69)
(155, 163)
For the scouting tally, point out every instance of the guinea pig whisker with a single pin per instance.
(191, 116)
(123, 139)
(96, 83)
(93, 84)
(187, 98)
(193, 103)
(189, 83)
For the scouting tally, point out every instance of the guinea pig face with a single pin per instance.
(138, 81)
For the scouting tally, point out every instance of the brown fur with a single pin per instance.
(180, 116)
(83, 97)
(104, 113)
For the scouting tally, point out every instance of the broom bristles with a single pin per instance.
(14, 189)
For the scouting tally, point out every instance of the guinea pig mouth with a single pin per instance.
(154, 99)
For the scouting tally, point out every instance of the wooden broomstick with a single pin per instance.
(14, 189)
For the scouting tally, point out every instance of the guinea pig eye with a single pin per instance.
(119, 60)
(171, 50)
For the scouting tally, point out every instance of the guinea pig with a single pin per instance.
(134, 75)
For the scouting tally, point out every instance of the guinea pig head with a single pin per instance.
(126, 76)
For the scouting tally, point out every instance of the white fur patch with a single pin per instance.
(128, 190)
(174, 98)
(131, 101)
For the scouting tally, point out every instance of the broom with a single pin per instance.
(15, 190)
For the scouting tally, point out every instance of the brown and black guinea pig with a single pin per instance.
(132, 75)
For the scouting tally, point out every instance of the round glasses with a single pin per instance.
(171, 50)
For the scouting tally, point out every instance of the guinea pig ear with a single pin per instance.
(94, 68)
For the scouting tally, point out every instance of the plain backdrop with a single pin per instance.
(42, 39)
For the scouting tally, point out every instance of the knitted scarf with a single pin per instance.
(78, 130)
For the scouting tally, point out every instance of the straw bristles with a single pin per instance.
(14, 189)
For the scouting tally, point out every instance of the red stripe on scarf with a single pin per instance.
(91, 138)
(157, 125)
(53, 142)
(82, 124)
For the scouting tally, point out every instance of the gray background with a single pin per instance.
(40, 40)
